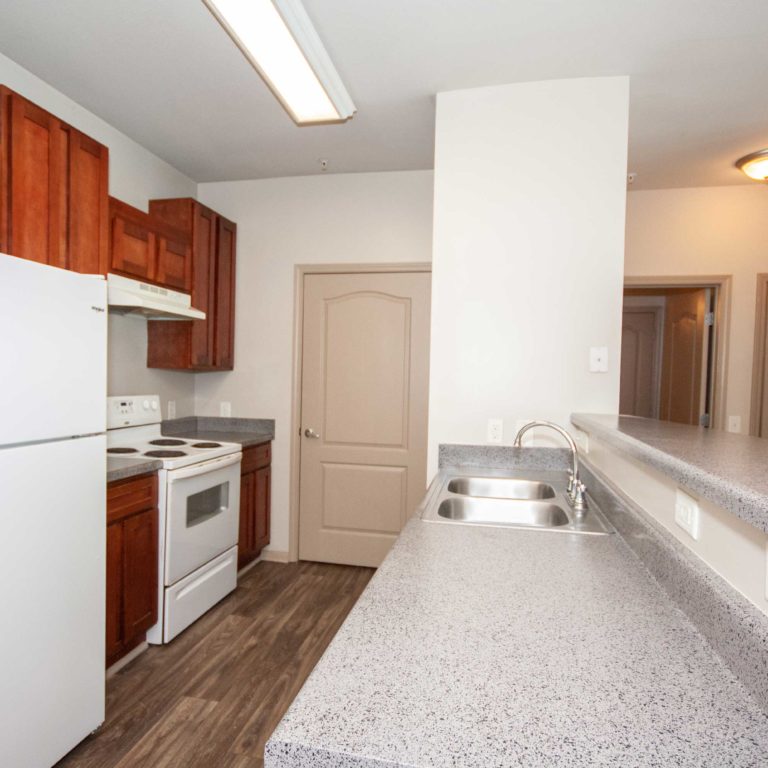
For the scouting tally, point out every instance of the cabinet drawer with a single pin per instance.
(256, 457)
(127, 497)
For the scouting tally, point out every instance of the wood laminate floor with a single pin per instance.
(213, 696)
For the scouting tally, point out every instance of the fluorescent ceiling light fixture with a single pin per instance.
(755, 165)
(278, 38)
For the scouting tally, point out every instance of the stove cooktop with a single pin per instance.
(145, 443)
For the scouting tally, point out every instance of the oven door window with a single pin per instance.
(207, 504)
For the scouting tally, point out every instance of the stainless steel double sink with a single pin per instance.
(533, 499)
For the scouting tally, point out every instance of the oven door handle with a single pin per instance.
(201, 469)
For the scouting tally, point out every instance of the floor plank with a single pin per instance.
(213, 696)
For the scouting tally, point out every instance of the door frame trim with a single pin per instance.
(299, 273)
(722, 325)
(759, 355)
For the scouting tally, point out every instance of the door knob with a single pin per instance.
(309, 432)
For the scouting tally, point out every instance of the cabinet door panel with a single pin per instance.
(225, 295)
(88, 204)
(174, 263)
(139, 573)
(114, 589)
(203, 285)
(261, 512)
(36, 180)
(132, 249)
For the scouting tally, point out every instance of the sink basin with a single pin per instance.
(501, 488)
(530, 514)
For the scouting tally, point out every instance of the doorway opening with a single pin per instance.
(672, 349)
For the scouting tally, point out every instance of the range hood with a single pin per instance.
(126, 296)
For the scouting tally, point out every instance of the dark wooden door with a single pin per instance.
(114, 638)
(682, 368)
(224, 353)
(261, 508)
(88, 205)
(139, 573)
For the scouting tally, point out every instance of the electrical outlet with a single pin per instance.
(734, 423)
(225, 409)
(598, 359)
(495, 430)
(171, 409)
(687, 513)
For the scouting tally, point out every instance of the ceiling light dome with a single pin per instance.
(755, 165)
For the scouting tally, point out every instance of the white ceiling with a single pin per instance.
(167, 75)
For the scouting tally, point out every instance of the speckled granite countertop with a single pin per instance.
(120, 469)
(494, 647)
(247, 432)
(728, 469)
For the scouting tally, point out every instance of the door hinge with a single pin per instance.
(704, 420)
(709, 318)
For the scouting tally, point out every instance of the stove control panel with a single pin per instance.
(133, 411)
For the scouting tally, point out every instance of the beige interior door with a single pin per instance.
(640, 361)
(364, 397)
(683, 375)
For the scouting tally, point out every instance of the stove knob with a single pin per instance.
(146, 405)
(154, 405)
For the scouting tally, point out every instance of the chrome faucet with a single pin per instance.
(576, 489)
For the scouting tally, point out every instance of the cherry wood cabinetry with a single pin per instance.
(146, 248)
(199, 345)
(132, 554)
(255, 490)
(53, 189)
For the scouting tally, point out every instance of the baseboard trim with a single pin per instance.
(127, 659)
(275, 556)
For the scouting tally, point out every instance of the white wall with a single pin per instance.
(366, 217)
(135, 176)
(530, 184)
(707, 231)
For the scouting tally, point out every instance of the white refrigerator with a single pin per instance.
(53, 344)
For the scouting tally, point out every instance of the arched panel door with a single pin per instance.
(365, 372)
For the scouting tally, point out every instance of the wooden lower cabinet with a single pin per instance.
(132, 540)
(255, 502)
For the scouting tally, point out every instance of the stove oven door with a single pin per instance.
(203, 505)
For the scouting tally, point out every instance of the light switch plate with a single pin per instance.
(687, 513)
(598, 359)
(495, 431)
(225, 409)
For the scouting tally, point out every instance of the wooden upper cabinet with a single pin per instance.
(199, 345)
(53, 189)
(146, 248)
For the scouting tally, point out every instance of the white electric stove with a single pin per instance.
(198, 505)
